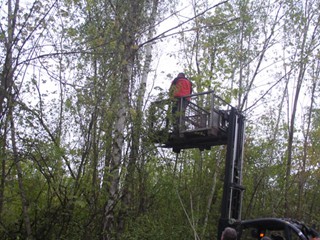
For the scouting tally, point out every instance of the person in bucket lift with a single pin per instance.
(180, 87)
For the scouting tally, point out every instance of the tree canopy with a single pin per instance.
(77, 79)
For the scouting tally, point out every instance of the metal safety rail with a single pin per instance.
(203, 124)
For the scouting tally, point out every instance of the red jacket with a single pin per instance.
(181, 87)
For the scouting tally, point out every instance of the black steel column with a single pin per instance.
(232, 191)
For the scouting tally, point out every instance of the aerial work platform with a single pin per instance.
(204, 123)
(207, 121)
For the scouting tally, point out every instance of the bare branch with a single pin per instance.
(163, 34)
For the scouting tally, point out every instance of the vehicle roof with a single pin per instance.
(280, 224)
(268, 223)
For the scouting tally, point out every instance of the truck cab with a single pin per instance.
(275, 229)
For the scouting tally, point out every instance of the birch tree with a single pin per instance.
(305, 23)
(18, 35)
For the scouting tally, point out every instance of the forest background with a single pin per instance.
(77, 77)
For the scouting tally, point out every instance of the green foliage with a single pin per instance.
(86, 56)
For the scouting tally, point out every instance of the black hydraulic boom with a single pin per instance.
(232, 194)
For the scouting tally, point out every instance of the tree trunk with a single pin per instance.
(302, 174)
(3, 157)
(137, 122)
(290, 138)
(305, 50)
(6, 94)
(209, 202)
(16, 159)
(122, 107)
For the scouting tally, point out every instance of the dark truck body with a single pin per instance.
(274, 228)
